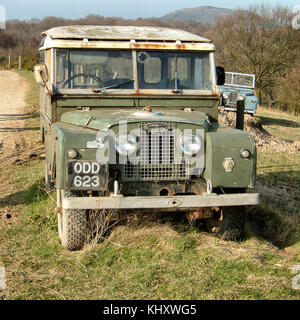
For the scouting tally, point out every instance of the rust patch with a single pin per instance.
(173, 46)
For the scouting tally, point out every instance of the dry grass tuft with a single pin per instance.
(138, 230)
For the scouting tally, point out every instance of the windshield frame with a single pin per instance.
(136, 90)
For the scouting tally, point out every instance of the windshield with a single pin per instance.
(240, 79)
(84, 69)
(170, 70)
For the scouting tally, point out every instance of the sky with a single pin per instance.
(25, 10)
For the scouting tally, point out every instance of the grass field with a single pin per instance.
(142, 258)
(279, 124)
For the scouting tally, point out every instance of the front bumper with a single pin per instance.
(163, 202)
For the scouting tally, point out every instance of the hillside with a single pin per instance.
(203, 14)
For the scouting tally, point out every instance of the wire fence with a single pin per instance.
(277, 162)
(278, 180)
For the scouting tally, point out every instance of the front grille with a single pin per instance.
(232, 99)
(157, 143)
(157, 159)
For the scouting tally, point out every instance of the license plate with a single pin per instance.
(84, 175)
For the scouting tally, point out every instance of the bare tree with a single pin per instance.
(260, 40)
(288, 93)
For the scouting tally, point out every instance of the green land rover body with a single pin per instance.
(129, 117)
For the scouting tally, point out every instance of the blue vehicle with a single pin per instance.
(238, 86)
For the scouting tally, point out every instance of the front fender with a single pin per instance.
(223, 147)
(70, 137)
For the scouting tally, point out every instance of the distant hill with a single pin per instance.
(203, 14)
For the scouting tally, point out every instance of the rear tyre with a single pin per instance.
(72, 227)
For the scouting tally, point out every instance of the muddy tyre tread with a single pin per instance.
(73, 227)
(233, 224)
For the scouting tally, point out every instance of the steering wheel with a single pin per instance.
(99, 80)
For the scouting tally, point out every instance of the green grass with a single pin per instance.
(279, 124)
(140, 260)
(278, 162)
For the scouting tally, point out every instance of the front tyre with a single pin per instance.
(231, 225)
(72, 226)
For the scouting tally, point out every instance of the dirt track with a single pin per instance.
(12, 112)
(12, 120)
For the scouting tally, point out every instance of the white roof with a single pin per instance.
(123, 33)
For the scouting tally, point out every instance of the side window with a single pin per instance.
(61, 66)
(42, 42)
(42, 56)
(152, 70)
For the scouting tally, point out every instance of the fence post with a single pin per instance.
(20, 62)
(240, 109)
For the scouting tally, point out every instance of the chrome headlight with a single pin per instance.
(126, 144)
(240, 97)
(225, 95)
(190, 144)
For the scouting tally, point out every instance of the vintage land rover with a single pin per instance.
(238, 86)
(129, 117)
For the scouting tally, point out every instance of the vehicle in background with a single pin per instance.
(238, 86)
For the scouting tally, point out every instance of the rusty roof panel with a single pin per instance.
(123, 33)
(125, 45)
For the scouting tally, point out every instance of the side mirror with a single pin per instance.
(41, 73)
(220, 72)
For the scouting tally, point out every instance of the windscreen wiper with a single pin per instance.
(117, 85)
(175, 89)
